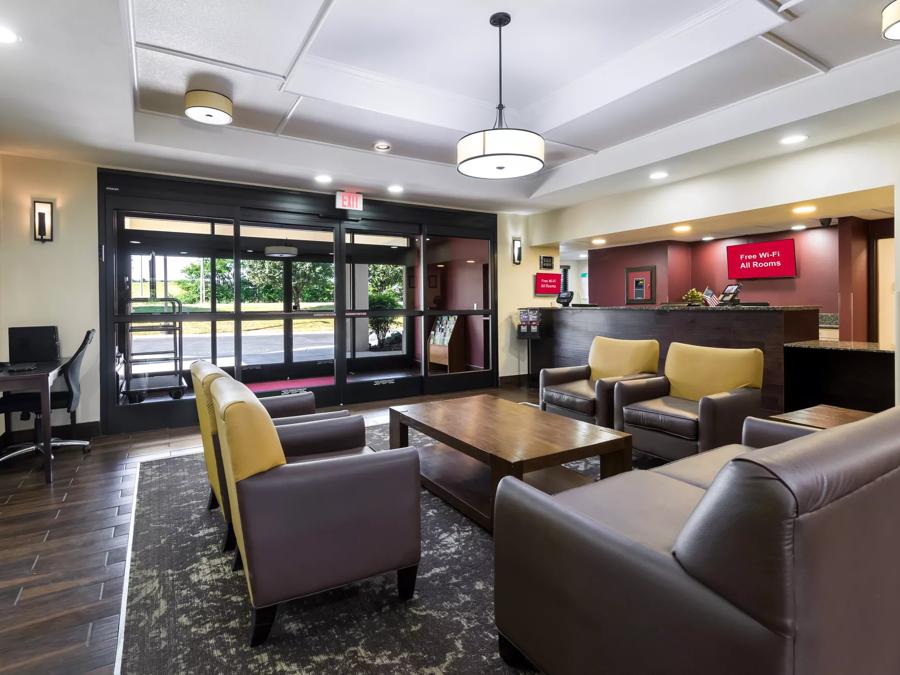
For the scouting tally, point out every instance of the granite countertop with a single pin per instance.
(845, 346)
(688, 308)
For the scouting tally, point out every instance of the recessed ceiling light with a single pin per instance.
(323, 179)
(470, 261)
(708, 238)
(208, 107)
(798, 227)
(794, 139)
(393, 246)
(805, 209)
(598, 242)
(249, 250)
(583, 255)
(395, 189)
(7, 37)
(182, 252)
(659, 175)
(381, 146)
(440, 264)
(681, 228)
(134, 241)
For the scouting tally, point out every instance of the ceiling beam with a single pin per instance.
(795, 51)
(210, 62)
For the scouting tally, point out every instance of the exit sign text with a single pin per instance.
(352, 201)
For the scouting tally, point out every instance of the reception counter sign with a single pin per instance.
(762, 260)
(547, 283)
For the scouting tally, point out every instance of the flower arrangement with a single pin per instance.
(693, 297)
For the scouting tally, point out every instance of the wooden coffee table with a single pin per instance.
(483, 438)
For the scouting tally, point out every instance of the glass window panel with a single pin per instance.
(313, 339)
(225, 344)
(380, 349)
(262, 285)
(262, 342)
(197, 341)
(260, 232)
(389, 240)
(382, 273)
(167, 225)
(457, 273)
(312, 286)
(458, 344)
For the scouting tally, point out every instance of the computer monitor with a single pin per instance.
(33, 343)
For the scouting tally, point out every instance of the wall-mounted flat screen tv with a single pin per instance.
(762, 260)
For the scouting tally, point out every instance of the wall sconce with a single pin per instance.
(42, 220)
(517, 250)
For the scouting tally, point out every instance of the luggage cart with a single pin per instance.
(158, 369)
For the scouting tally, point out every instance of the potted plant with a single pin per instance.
(693, 297)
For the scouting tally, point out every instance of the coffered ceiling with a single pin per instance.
(617, 87)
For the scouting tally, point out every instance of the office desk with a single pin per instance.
(40, 379)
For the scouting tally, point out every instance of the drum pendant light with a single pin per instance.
(500, 152)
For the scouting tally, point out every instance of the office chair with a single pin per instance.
(68, 399)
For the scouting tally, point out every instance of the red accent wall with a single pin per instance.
(681, 266)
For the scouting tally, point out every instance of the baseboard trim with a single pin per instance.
(84, 431)
(514, 381)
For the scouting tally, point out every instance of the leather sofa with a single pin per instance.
(586, 392)
(783, 560)
(699, 403)
(313, 508)
(283, 409)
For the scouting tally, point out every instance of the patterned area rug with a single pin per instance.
(188, 612)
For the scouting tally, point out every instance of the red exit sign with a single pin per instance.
(352, 201)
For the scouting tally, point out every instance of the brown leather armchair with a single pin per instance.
(289, 409)
(586, 392)
(776, 561)
(290, 484)
(699, 403)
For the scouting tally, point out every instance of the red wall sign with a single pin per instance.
(547, 283)
(762, 260)
(352, 201)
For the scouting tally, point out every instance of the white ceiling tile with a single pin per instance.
(264, 35)
(738, 73)
(163, 79)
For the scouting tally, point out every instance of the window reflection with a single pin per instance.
(458, 344)
(457, 273)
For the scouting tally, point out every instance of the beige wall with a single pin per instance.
(516, 289)
(55, 283)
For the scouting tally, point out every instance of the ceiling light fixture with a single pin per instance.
(659, 175)
(500, 152)
(280, 251)
(681, 229)
(395, 189)
(583, 255)
(708, 238)
(890, 21)
(805, 209)
(323, 179)
(7, 36)
(799, 227)
(471, 262)
(208, 107)
(598, 242)
(381, 146)
(794, 139)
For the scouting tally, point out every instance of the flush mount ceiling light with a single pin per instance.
(7, 36)
(659, 175)
(381, 146)
(708, 238)
(280, 251)
(890, 21)
(500, 152)
(208, 107)
(323, 179)
(794, 139)
(598, 242)
(805, 209)
(395, 189)
(799, 227)
(681, 229)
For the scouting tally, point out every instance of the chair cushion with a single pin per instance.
(614, 358)
(695, 372)
(676, 416)
(646, 507)
(352, 452)
(578, 395)
(700, 470)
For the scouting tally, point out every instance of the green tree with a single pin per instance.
(386, 279)
(381, 325)
(312, 282)
(189, 287)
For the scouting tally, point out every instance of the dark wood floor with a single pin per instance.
(62, 560)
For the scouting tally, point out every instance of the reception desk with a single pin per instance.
(563, 336)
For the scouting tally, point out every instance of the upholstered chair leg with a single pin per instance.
(406, 582)
(230, 540)
(213, 503)
(512, 656)
(262, 619)
(238, 563)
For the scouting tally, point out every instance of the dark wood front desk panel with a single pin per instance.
(566, 334)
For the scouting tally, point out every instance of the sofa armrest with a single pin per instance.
(315, 526)
(569, 592)
(722, 416)
(330, 435)
(627, 392)
(550, 376)
(760, 433)
(301, 403)
(604, 391)
(313, 417)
